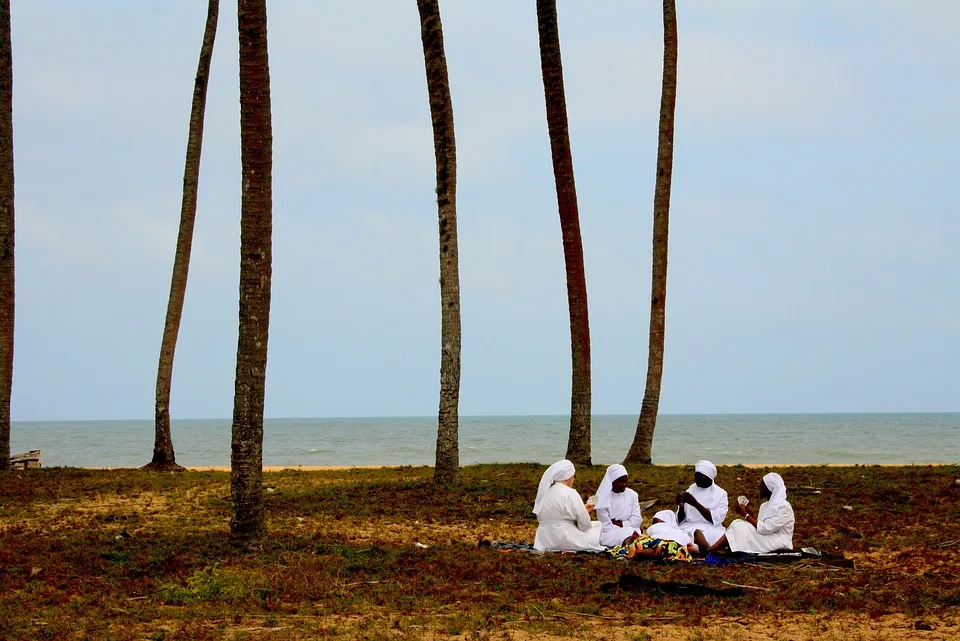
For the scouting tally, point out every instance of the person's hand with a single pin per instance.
(617, 522)
(681, 498)
(590, 507)
(740, 509)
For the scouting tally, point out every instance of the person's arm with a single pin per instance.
(746, 514)
(718, 512)
(691, 500)
(773, 523)
(603, 515)
(580, 510)
(635, 520)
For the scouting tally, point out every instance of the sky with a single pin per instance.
(814, 235)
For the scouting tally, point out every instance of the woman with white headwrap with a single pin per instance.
(666, 528)
(704, 505)
(618, 507)
(565, 524)
(771, 529)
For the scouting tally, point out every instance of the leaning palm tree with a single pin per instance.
(6, 232)
(164, 458)
(578, 443)
(444, 148)
(247, 522)
(642, 446)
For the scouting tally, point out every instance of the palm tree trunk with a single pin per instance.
(6, 232)
(578, 444)
(640, 450)
(444, 146)
(248, 524)
(163, 455)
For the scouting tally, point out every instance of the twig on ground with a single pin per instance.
(747, 587)
(539, 612)
(277, 616)
(592, 616)
(946, 544)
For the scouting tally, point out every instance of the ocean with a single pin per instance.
(810, 439)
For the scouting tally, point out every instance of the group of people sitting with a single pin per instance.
(694, 528)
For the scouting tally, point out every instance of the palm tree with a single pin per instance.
(444, 147)
(642, 445)
(6, 232)
(578, 444)
(164, 458)
(247, 523)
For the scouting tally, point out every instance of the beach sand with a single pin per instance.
(299, 468)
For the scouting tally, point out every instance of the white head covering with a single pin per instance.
(774, 483)
(706, 468)
(669, 517)
(605, 491)
(559, 471)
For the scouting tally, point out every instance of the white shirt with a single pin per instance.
(624, 507)
(714, 499)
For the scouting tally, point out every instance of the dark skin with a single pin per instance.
(619, 485)
(748, 516)
(685, 498)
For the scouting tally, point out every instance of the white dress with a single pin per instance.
(714, 498)
(774, 531)
(624, 507)
(565, 524)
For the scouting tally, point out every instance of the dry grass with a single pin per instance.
(124, 554)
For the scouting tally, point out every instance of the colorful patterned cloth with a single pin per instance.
(666, 550)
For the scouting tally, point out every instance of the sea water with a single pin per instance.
(725, 439)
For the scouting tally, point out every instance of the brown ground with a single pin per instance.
(156, 510)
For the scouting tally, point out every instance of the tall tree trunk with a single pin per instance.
(444, 146)
(640, 450)
(6, 232)
(163, 454)
(578, 444)
(248, 524)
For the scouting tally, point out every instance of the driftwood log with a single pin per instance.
(25, 460)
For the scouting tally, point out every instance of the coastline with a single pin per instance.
(340, 468)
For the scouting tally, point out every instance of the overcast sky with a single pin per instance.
(814, 259)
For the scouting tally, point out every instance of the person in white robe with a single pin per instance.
(564, 523)
(770, 530)
(618, 508)
(703, 507)
(666, 528)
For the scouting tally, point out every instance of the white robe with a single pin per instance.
(565, 524)
(624, 507)
(714, 498)
(668, 532)
(774, 531)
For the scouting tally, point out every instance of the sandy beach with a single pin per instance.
(299, 468)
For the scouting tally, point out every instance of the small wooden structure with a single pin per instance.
(25, 460)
